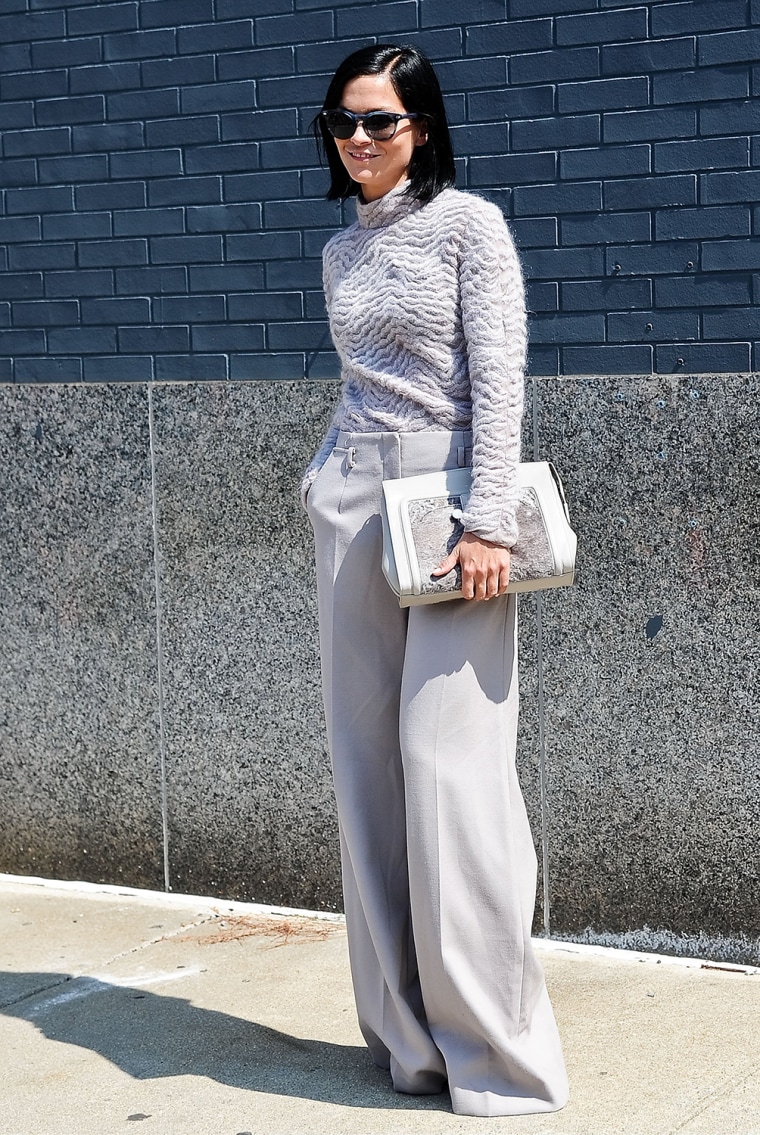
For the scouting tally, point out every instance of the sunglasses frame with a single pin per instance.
(360, 118)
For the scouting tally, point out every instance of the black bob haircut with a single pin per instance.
(416, 84)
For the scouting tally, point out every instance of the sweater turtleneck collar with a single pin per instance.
(394, 205)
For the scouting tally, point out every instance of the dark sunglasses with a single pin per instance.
(378, 124)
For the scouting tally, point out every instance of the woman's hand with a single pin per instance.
(484, 567)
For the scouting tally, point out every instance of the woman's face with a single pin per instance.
(376, 166)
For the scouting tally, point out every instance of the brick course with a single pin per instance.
(162, 210)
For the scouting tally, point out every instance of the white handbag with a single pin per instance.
(422, 524)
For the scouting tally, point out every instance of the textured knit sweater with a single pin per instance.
(427, 314)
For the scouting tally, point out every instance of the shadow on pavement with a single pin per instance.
(150, 1035)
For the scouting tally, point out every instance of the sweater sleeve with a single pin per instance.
(493, 322)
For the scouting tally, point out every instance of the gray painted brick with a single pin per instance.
(27, 342)
(187, 130)
(185, 249)
(227, 337)
(488, 71)
(652, 326)
(191, 368)
(45, 313)
(150, 281)
(222, 159)
(110, 195)
(112, 253)
(703, 223)
(113, 312)
(535, 232)
(701, 86)
(185, 191)
(23, 143)
(18, 115)
(259, 124)
(730, 47)
(602, 27)
(48, 369)
(82, 340)
(651, 192)
(648, 125)
(16, 284)
(41, 255)
(606, 229)
(177, 72)
(542, 295)
(309, 335)
(18, 173)
(513, 102)
(726, 188)
(603, 94)
(608, 161)
(512, 169)
(730, 117)
(434, 13)
(703, 291)
(66, 52)
(377, 20)
(301, 214)
(326, 56)
(107, 77)
(675, 19)
(732, 323)
(75, 226)
(555, 66)
(46, 84)
(223, 218)
(102, 18)
(79, 283)
(685, 358)
(19, 229)
(550, 328)
(652, 55)
(118, 368)
(15, 57)
(509, 37)
(108, 136)
(261, 186)
(297, 152)
(730, 255)
(226, 277)
(263, 306)
(606, 295)
(34, 200)
(651, 259)
(286, 275)
(146, 163)
(189, 309)
(563, 263)
(264, 246)
(727, 153)
(545, 133)
(154, 339)
(292, 91)
(31, 26)
(624, 359)
(266, 367)
(140, 45)
(143, 104)
(577, 197)
(85, 108)
(172, 13)
(291, 28)
(261, 62)
(215, 37)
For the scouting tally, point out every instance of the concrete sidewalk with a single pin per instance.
(133, 1011)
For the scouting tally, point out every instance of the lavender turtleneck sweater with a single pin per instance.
(427, 314)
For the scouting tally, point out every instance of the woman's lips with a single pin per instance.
(361, 157)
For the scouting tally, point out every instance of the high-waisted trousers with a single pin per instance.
(439, 868)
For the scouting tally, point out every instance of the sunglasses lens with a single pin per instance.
(339, 124)
(380, 126)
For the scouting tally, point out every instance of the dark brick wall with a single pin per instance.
(161, 209)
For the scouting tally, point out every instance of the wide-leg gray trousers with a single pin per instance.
(439, 869)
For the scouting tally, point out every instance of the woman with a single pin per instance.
(426, 309)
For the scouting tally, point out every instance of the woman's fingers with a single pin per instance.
(484, 567)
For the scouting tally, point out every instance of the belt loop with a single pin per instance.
(461, 459)
(351, 456)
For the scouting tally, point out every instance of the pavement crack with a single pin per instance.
(714, 1099)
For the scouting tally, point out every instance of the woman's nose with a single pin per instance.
(360, 134)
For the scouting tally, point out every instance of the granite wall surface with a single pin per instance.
(160, 714)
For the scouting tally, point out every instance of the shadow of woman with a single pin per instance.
(149, 1035)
